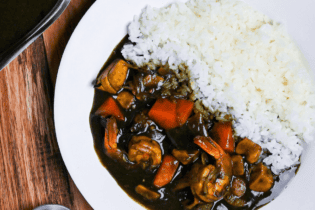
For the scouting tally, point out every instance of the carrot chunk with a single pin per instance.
(222, 133)
(166, 171)
(169, 114)
(183, 110)
(163, 112)
(110, 108)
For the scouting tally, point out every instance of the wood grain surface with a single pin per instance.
(32, 172)
(57, 35)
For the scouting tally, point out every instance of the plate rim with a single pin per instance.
(58, 103)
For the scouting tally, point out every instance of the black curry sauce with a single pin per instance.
(128, 176)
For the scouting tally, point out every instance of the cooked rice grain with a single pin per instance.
(240, 62)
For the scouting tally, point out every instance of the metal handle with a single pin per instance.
(51, 207)
(7, 56)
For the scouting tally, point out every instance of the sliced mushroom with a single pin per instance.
(250, 149)
(114, 76)
(238, 187)
(237, 165)
(152, 81)
(205, 206)
(261, 179)
(147, 193)
(234, 200)
(184, 156)
(197, 126)
(204, 158)
(235, 193)
(125, 99)
(188, 178)
(163, 71)
(141, 122)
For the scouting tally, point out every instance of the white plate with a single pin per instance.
(101, 29)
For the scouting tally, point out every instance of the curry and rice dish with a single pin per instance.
(166, 153)
(185, 117)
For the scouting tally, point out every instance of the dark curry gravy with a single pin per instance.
(129, 177)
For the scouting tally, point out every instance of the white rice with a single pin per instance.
(240, 62)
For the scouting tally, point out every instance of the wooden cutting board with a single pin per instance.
(32, 171)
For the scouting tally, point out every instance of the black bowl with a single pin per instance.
(22, 22)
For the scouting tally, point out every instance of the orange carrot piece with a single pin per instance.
(183, 110)
(209, 146)
(166, 171)
(163, 112)
(110, 108)
(222, 133)
(169, 114)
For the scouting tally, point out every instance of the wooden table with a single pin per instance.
(32, 171)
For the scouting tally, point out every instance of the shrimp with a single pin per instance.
(144, 151)
(211, 181)
(110, 139)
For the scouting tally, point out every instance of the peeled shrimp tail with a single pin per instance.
(213, 180)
